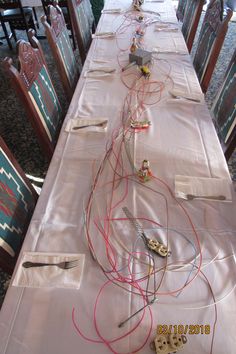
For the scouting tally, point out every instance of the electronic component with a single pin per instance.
(153, 245)
(169, 343)
(143, 124)
(158, 247)
(145, 71)
(140, 57)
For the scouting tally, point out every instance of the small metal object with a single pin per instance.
(134, 314)
(62, 265)
(144, 124)
(213, 197)
(168, 343)
(185, 96)
(90, 125)
(128, 66)
(103, 70)
(153, 245)
(158, 248)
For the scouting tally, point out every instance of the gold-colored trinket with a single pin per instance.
(144, 173)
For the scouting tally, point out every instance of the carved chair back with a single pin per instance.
(224, 110)
(34, 86)
(83, 22)
(17, 202)
(65, 9)
(191, 19)
(211, 38)
(59, 41)
(181, 9)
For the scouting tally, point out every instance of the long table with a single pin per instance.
(82, 203)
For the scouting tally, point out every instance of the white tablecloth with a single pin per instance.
(180, 141)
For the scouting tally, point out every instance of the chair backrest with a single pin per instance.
(224, 110)
(10, 4)
(83, 23)
(211, 38)
(59, 41)
(191, 19)
(181, 9)
(46, 3)
(97, 6)
(17, 202)
(34, 86)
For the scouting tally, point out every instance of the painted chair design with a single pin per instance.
(17, 202)
(65, 10)
(18, 17)
(224, 110)
(211, 38)
(181, 10)
(190, 21)
(34, 87)
(59, 41)
(83, 23)
(97, 6)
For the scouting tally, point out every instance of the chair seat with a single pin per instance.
(11, 14)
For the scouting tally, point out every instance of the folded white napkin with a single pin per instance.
(49, 276)
(100, 71)
(169, 51)
(190, 188)
(111, 11)
(103, 35)
(165, 27)
(197, 97)
(83, 125)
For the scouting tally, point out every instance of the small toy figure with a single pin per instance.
(133, 46)
(145, 173)
(145, 71)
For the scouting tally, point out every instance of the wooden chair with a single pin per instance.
(97, 6)
(59, 41)
(83, 23)
(17, 202)
(64, 7)
(224, 110)
(211, 38)
(35, 89)
(18, 17)
(181, 10)
(190, 21)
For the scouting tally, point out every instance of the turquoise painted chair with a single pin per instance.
(35, 89)
(211, 38)
(181, 10)
(83, 23)
(190, 21)
(60, 44)
(97, 6)
(17, 202)
(224, 110)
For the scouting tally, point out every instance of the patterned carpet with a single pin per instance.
(19, 136)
